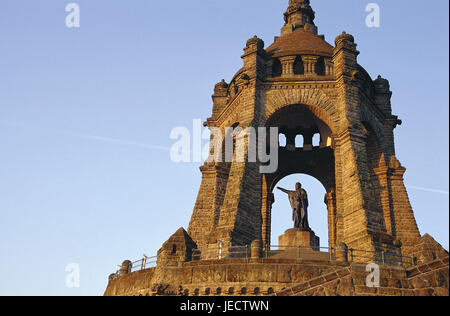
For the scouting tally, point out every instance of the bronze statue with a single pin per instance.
(299, 204)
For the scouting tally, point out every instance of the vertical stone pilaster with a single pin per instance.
(351, 193)
(352, 174)
(329, 67)
(403, 217)
(209, 199)
(382, 173)
(267, 200)
(330, 201)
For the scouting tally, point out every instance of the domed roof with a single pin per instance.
(300, 42)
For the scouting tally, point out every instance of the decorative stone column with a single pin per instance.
(329, 67)
(330, 201)
(310, 64)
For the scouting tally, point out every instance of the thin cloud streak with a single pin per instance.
(91, 137)
(428, 189)
(119, 141)
(163, 148)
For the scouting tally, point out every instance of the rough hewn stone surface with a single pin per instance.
(351, 281)
(285, 278)
(133, 284)
(298, 238)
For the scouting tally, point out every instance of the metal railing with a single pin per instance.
(144, 263)
(303, 253)
(380, 257)
(221, 253)
(298, 253)
(138, 265)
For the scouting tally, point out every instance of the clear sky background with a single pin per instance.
(85, 118)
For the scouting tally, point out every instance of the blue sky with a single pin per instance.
(85, 118)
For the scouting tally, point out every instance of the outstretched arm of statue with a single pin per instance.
(283, 190)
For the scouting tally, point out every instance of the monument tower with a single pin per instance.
(301, 85)
(304, 86)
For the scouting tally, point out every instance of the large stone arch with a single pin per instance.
(317, 162)
(316, 101)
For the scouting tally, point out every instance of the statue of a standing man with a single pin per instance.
(299, 204)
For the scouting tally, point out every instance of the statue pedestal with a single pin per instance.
(299, 238)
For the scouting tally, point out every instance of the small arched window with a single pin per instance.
(282, 140)
(277, 68)
(299, 141)
(320, 66)
(299, 68)
(316, 140)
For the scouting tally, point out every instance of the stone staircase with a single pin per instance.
(315, 285)
(428, 279)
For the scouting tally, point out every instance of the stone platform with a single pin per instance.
(261, 277)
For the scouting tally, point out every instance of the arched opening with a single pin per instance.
(282, 140)
(299, 141)
(313, 166)
(282, 211)
(299, 68)
(277, 68)
(300, 126)
(320, 66)
(316, 140)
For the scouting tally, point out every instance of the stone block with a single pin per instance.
(293, 238)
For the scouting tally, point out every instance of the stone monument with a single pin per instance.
(302, 85)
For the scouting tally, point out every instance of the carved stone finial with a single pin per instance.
(381, 84)
(255, 40)
(300, 15)
(344, 37)
(221, 85)
(394, 163)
